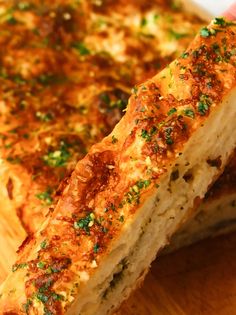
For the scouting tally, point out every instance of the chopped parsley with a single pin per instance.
(96, 248)
(42, 297)
(122, 219)
(185, 55)
(134, 193)
(143, 22)
(143, 183)
(189, 112)
(148, 135)
(45, 117)
(135, 90)
(172, 111)
(202, 108)
(85, 223)
(145, 135)
(46, 196)
(168, 138)
(44, 244)
(203, 104)
(57, 297)
(81, 48)
(19, 266)
(114, 139)
(14, 160)
(19, 79)
(121, 104)
(26, 306)
(41, 264)
(222, 22)
(206, 32)
(105, 98)
(11, 20)
(59, 157)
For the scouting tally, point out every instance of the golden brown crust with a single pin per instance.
(63, 86)
(100, 199)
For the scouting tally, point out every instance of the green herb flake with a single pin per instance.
(168, 138)
(57, 297)
(144, 88)
(96, 248)
(26, 306)
(45, 117)
(19, 79)
(105, 98)
(143, 183)
(81, 48)
(189, 113)
(185, 55)
(143, 22)
(59, 157)
(12, 20)
(145, 135)
(15, 267)
(45, 196)
(42, 297)
(8, 145)
(205, 32)
(114, 139)
(85, 223)
(172, 111)
(202, 108)
(134, 193)
(46, 311)
(222, 22)
(44, 244)
(41, 264)
(122, 219)
(121, 104)
(134, 90)
(148, 135)
(204, 104)
(13, 160)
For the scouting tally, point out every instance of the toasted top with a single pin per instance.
(100, 200)
(67, 68)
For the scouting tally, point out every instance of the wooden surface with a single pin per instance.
(199, 280)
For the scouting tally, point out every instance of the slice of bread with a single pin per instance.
(133, 190)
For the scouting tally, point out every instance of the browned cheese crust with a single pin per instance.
(110, 184)
(67, 69)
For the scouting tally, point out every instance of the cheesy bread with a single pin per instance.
(67, 69)
(134, 189)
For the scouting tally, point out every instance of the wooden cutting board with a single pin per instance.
(198, 280)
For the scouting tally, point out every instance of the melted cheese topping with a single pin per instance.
(65, 77)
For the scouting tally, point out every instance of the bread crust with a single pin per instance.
(66, 75)
(109, 186)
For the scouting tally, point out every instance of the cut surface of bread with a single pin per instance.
(216, 214)
(133, 190)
